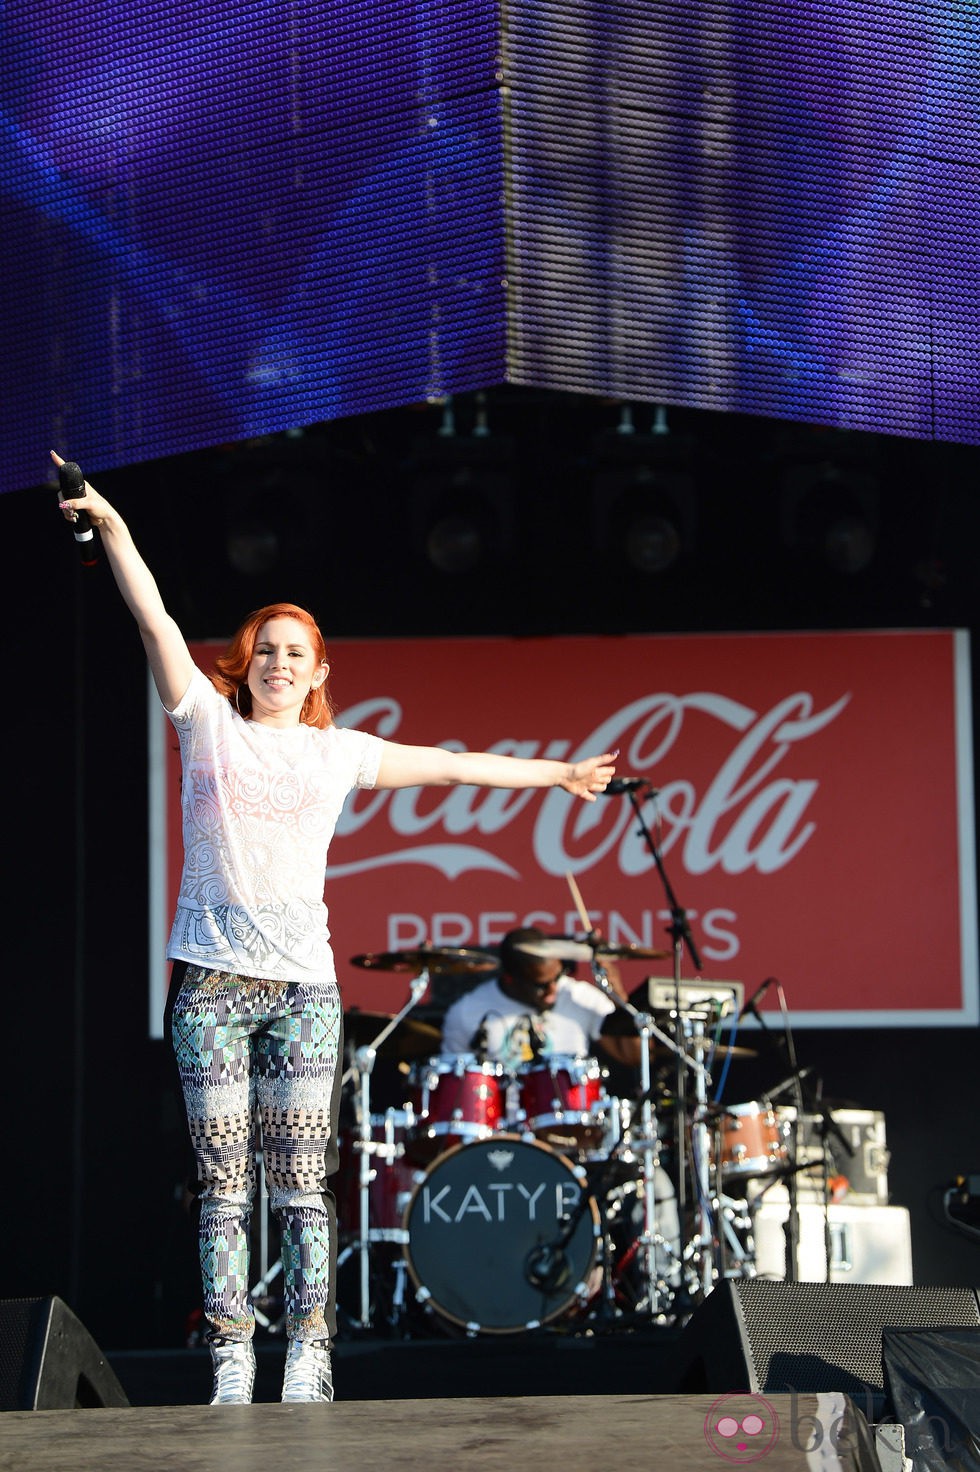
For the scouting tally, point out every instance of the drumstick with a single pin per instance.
(583, 913)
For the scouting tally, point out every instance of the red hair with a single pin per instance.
(231, 668)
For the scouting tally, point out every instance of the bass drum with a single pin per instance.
(502, 1236)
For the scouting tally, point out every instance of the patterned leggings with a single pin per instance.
(259, 1058)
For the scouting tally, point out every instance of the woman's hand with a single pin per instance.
(592, 775)
(97, 506)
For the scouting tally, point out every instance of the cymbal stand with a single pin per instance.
(649, 1144)
(366, 1146)
(702, 1244)
(680, 933)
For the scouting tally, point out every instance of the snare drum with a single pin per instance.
(563, 1102)
(753, 1142)
(459, 1099)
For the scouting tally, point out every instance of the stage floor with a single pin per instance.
(549, 1434)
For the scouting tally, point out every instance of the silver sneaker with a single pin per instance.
(234, 1372)
(308, 1375)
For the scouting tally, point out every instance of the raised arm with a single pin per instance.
(169, 658)
(431, 766)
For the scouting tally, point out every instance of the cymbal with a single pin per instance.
(555, 948)
(566, 948)
(630, 953)
(431, 958)
(410, 1039)
(733, 1050)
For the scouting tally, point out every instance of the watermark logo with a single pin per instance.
(741, 1428)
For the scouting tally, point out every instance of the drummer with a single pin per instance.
(532, 1009)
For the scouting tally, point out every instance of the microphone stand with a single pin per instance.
(680, 933)
(791, 1227)
(794, 1083)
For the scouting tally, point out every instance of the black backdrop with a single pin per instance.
(95, 1153)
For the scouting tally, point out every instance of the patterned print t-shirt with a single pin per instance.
(259, 808)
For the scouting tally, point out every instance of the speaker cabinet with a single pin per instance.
(49, 1362)
(761, 1336)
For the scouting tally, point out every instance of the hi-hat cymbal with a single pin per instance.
(410, 1039)
(428, 958)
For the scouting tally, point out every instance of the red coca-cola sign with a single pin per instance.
(813, 811)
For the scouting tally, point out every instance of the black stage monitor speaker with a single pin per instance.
(759, 1335)
(49, 1362)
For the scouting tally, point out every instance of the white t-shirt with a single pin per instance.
(569, 1027)
(259, 808)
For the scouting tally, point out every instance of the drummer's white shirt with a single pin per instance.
(569, 1027)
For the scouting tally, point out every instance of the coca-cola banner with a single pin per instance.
(811, 800)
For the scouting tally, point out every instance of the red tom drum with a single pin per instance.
(563, 1102)
(460, 1098)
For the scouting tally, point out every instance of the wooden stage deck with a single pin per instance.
(543, 1433)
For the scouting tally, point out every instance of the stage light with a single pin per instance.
(643, 493)
(273, 516)
(644, 516)
(462, 495)
(829, 513)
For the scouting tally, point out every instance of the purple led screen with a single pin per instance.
(770, 208)
(223, 221)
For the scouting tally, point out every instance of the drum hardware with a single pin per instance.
(680, 932)
(648, 1031)
(366, 1146)
(648, 1149)
(620, 1188)
(796, 1087)
(736, 1253)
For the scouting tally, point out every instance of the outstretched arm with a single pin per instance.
(170, 661)
(431, 766)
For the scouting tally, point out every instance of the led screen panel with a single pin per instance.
(222, 221)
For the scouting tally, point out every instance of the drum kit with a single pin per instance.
(493, 1202)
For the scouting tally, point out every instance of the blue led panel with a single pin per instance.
(224, 220)
(750, 207)
(229, 219)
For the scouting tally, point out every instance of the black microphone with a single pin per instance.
(750, 1004)
(628, 784)
(534, 1039)
(478, 1042)
(72, 484)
